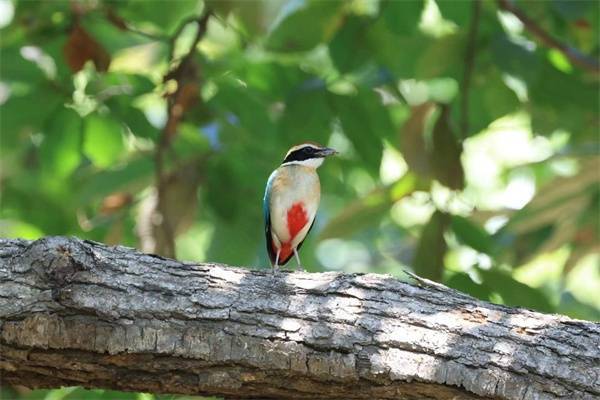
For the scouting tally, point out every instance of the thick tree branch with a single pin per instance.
(76, 312)
(574, 55)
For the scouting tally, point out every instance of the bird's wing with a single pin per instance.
(307, 232)
(267, 217)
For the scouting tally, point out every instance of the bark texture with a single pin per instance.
(76, 312)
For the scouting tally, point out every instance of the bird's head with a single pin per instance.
(308, 154)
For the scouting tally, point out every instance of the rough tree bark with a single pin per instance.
(75, 312)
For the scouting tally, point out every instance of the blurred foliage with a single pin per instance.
(468, 155)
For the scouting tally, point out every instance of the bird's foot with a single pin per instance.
(300, 268)
(275, 270)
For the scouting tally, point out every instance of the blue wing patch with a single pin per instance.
(267, 217)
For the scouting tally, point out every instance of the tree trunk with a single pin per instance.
(76, 312)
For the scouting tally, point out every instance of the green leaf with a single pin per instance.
(558, 100)
(516, 58)
(569, 305)
(133, 176)
(541, 225)
(103, 143)
(399, 54)
(121, 84)
(463, 282)
(489, 99)
(274, 80)
(402, 17)
(60, 152)
(569, 103)
(241, 107)
(164, 15)
(472, 235)
(307, 114)
(349, 49)
(221, 178)
(429, 256)
(368, 211)
(19, 229)
(441, 57)
(515, 293)
(572, 10)
(19, 69)
(189, 142)
(302, 25)
(134, 118)
(17, 121)
(458, 12)
(365, 121)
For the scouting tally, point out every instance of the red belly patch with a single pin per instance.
(296, 219)
(285, 252)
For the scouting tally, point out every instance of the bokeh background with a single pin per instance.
(468, 134)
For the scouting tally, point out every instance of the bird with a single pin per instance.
(291, 200)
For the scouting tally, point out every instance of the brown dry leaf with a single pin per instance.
(81, 47)
(114, 202)
(447, 149)
(412, 140)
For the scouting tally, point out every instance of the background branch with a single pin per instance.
(574, 55)
(470, 53)
(187, 78)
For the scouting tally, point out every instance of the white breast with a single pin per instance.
(293, 184)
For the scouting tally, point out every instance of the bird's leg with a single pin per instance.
(276, 265)
(299, 267)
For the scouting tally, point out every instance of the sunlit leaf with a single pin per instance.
(303, 24)
(471, 234)
(163, 15)
(60, 152)
(367, 211)
(19, 229)
(515, 293)
(95, 185)
(463, 282)
(569, 305)
(365, 121)
(103, 143)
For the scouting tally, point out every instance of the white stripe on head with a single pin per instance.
(311, 162)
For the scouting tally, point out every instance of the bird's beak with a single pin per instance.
(327, 152)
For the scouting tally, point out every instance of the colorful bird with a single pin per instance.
(291, 200)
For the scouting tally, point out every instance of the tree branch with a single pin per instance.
(470, 53)
(185, 95)
(574, 55)
(76, 312)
